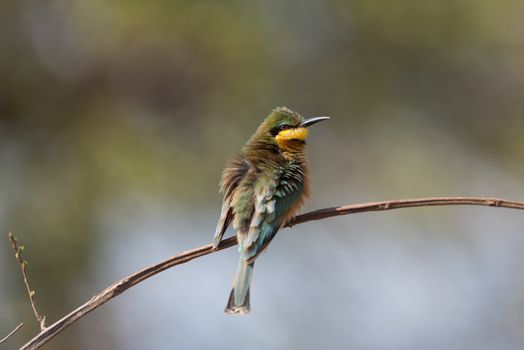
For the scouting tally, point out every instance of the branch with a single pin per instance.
(23, 267)
(4, 339)
(121, 286)
(403, 203)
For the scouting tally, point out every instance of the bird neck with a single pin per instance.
(267, 153)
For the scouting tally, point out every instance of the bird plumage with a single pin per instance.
(263, 188)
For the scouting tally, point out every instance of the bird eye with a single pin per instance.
(279, 128)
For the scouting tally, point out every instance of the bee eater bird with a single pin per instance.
(263, 188)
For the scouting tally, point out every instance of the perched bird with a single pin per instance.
(263, 188)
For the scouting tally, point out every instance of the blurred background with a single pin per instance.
(117, 117)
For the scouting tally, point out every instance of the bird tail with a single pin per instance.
(238, 303)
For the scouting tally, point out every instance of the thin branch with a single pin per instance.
(23, 267)
(4, 339)
(121, 286)
(404, 203)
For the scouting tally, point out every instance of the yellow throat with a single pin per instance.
(287, 135)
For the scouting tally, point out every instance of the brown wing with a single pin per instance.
(231, 177)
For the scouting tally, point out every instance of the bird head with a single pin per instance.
(286, 128)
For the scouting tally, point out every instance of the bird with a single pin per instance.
(263, 187)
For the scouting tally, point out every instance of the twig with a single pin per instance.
(23, 266)
(11, 333)
(121, 286)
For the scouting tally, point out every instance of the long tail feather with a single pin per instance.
(238, 302)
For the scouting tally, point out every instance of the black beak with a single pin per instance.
(312, 121)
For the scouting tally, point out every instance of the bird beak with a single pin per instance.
(312, 121)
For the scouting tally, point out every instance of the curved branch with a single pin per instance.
(404, 203)
(121, 286)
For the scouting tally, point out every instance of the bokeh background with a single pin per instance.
(116, 118)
